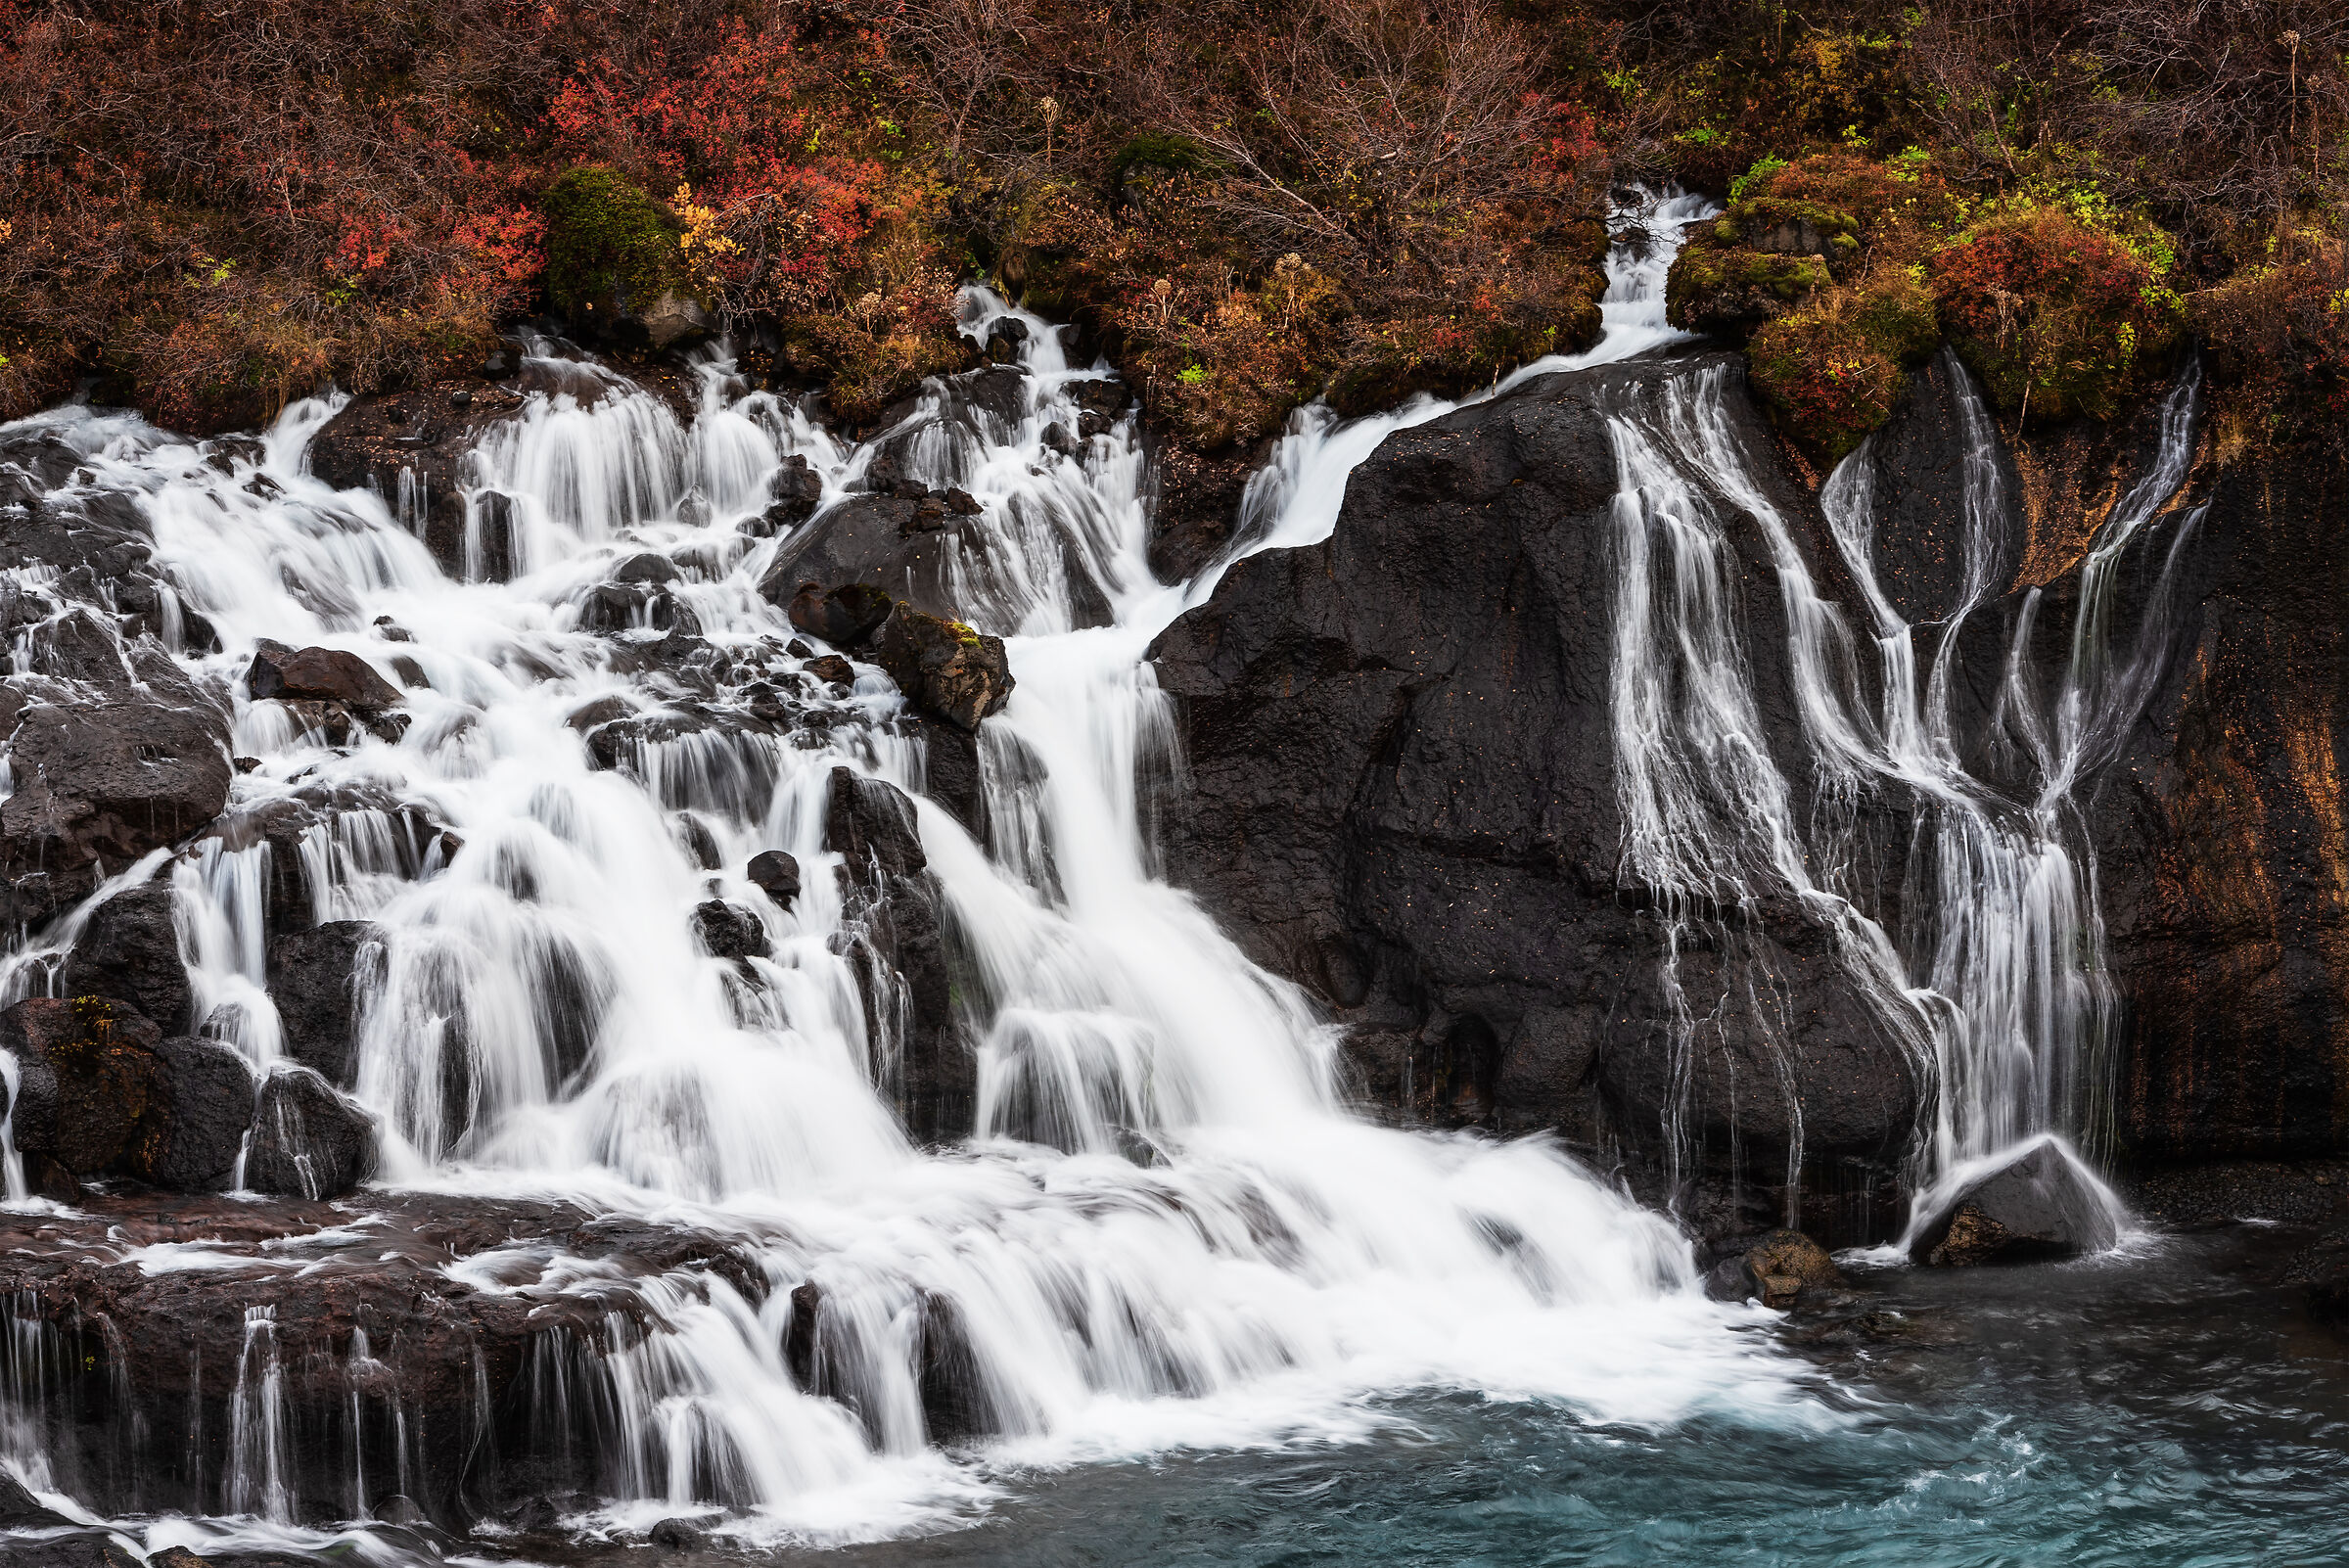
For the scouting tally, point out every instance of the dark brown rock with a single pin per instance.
(2036, 1206)
(944, 666)
(776, 874)
(195, 1127)
(314, 975)
(842, 615)
(729, 931)
(324, 675)
(88, 1075)
(307, 1140)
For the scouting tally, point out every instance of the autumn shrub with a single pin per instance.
(1833, 370)
(2060, 315)
(2278, 336)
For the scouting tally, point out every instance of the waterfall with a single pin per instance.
(1165, 1228)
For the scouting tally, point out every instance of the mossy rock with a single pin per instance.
(1732, 291)
(610, 247)
(1832, 371)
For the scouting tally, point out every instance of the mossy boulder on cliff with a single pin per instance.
(610, 247)
(2059, 314)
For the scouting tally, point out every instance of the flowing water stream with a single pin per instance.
(1167, 1233)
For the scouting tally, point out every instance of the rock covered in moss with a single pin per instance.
(2058, 315)
(944, 666)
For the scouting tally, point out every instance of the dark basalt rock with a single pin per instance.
(832, 670)
(1197, 506)
(307, 1140)
(896, 909)
(133, 1363)
(776, 874)
(321, 675)
(1402, 794)
(194, 1130)
(797, 490)
(314, 976)
(1006, 335)
(867, 540)
(612, 608)
(103, 783)
(842, 615)
(130, 951)
(729, 931)
(377, 443)
(87, 1075)
(942, 667)
(646, 567)
(81, 1549)
(2036, 1206)
(1774, 1270)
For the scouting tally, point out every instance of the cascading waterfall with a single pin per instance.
(1166, 1231)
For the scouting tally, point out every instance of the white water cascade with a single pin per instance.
(1167, 1230)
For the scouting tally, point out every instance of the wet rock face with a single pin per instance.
(307, 1140)
(896, 909)
(437, 1396)
(129, 951)
(314, 975)
(2220, 837)
(87, 1076)
(321, 675)
(104, 782)
(1403, 795)
(191, 1142)
(2036, 1206)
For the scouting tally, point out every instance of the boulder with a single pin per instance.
(313, 978)
(196, 1122)
(646, 566)
(20, 1510)
(894, 914)
(944, 666)
(307, 1140)
(87, 1074)
(797, 490)
(1006, 335)
(776, 874)
(674, 321)
(129, 951)
(1402, 793)
(729, 931)
(612, 608)
(832, 670)
(868, 540)
(101, 784)
(872, 825)
(2038, 1205)
(1776, 1269)
(842, 615)
(323, 674)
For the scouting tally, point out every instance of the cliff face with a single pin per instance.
(2222, 829)
(1403, 794)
